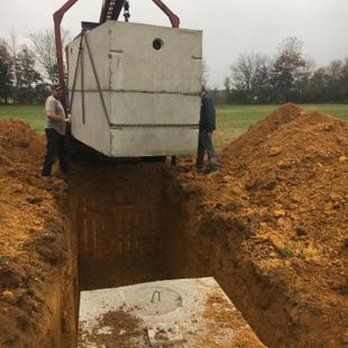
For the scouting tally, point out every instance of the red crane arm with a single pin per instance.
(57, 18)
(174, 19)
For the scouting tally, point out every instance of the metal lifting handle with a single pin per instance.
(111, 9)
(156, 292)
(174, 19)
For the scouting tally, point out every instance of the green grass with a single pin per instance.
(33, 114)
(232, 120)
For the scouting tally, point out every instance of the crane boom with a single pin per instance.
(111, 9)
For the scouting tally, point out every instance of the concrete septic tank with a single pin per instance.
(134, 89)
(171, 313)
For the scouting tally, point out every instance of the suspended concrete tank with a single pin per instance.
(135, 89)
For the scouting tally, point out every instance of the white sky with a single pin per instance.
(230, 27)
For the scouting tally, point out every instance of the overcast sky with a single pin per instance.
(230, 27)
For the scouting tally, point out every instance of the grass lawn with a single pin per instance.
(232, 120)
(33, 114)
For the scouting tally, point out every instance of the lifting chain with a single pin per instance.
(78, 61)
(126, 13)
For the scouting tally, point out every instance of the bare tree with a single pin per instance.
(291, 70)
(292, 48)
(13, 42)
(13, 47)
(289, 76)
(247, 70)
(43, 44)
(227, 85)
(335, 69)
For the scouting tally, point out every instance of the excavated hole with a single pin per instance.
(135, 224)
(121, 224)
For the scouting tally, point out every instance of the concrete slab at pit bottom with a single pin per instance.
(176, 313)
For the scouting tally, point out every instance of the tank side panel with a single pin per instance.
(153, 141)
(89, 116)
(175, 68)
(158, 89)
(95, 132)
(154, 108)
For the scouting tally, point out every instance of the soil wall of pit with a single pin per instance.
(201, 243)
(139, 223)
(38, 268)
(117, 216)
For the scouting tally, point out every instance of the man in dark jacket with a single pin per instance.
(207, 125)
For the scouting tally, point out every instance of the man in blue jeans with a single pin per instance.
(55, 129)
(207, 125)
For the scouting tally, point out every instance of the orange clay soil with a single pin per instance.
(271, 227)
(33, 249)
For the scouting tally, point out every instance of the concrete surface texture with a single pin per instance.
(134, 89)
(176, 313)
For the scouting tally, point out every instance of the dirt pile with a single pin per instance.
(31, 230)
(125, 330)
(284, 183)
(296, 173)
(294, 168)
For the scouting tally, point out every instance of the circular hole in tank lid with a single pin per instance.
(157, 44)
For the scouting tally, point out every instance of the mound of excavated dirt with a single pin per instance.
(30, 239)
(294, 168)
(285, 183)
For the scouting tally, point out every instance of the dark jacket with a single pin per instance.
(207, 121)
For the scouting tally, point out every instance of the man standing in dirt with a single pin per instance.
(207, 125)
(55, 129)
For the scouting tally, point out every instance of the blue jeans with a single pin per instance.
(205, 145)
(54, 148)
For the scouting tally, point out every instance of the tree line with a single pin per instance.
(26, 70)
(289, 76)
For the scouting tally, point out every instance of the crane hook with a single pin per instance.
(126, 13)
